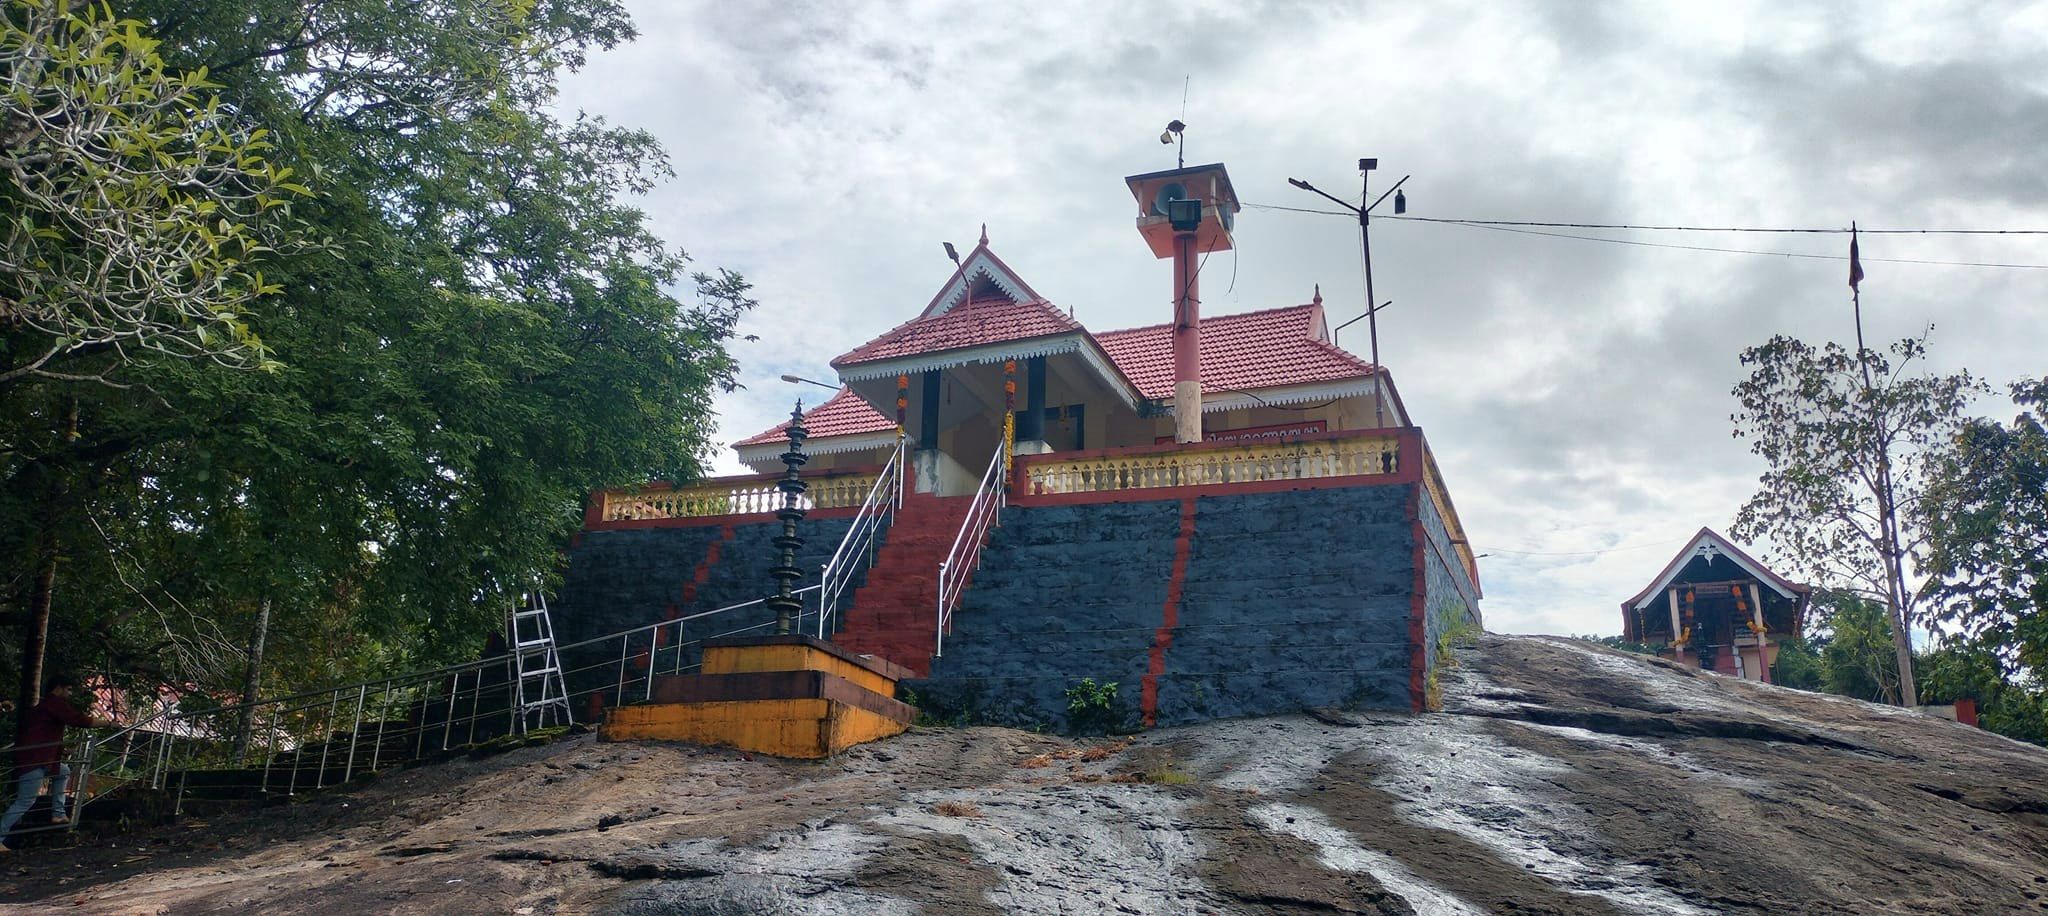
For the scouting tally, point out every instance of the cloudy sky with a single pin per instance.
(1576, 392)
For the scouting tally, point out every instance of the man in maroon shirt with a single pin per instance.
(39, 752)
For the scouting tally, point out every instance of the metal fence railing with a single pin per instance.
(863, 539)
(965, 556)
(307, 741)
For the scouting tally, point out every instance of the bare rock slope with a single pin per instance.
(1560, 778)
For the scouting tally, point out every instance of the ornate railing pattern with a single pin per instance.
(734, 496)
(1335, 457)
(1432, 480)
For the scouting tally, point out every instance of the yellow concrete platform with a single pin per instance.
(804, 728)
(802, 653)
(787, 696)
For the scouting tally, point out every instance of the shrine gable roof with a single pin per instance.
(842, 414)
(1709, 543)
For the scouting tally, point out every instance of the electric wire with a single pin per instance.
(1778, 230)
(1522, 227)
(1661, 228)
(1755, 251)
(1575, 553)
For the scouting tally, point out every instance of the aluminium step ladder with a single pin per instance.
(540, 696)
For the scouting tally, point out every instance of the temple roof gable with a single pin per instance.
(1709, 544)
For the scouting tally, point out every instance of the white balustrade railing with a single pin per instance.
(1203, 466)
(965, 556)
(1432, 481)
(733, 496)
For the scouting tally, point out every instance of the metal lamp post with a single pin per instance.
(785, 603)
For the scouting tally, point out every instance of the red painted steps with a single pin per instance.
(895, 615)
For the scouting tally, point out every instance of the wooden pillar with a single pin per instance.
(928, 413)
(1009, 413)
(1677, 628)
(1763, 657)
(1031, 423)
(902, 403)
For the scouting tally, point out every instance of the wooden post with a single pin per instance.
(1677, 630)
(1763, 657)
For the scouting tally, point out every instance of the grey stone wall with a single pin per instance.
(1290, 600)
(1293, 600)
(621, 579)
(1064, 593)
(1448, 593)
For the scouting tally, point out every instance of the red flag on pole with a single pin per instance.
(1855, 260)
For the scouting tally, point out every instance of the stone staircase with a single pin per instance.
(895, 613)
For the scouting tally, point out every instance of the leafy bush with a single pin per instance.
(1091, 707)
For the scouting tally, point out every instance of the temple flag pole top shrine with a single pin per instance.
(1222, 514)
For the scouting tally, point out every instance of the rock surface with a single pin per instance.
(1560, 778)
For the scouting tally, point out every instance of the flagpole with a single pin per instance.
(1856, 298)
(1887, 502)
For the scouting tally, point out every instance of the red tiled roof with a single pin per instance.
(973, 324)
(1249, 350)
(1244, 351)
(843, 414)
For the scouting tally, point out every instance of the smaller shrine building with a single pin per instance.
(1716, 606)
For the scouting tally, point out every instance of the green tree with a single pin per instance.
(137, 207)
(1799, 665)
(1987, 516)
(487, 334)
(2009, 703)
(1845, 437)
(1856, 651)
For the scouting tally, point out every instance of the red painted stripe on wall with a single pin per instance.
(1418, 612)
(712, 554)
(1169, 618)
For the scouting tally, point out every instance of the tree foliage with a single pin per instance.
(1856, 653)
(1845, 437)
(1847, 650)
(1798, 665)
(487, 334)
(2012, 704)
(1987, 516)
(136, 205)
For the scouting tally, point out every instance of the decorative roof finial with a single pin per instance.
(984, 233)
(1319, 294)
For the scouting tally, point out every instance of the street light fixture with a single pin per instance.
(1365, 169)
(800, 380)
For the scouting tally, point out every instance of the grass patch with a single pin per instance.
(1168, 776)
(956, 809)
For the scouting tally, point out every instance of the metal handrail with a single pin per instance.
(172, 740)
(965, 556)
(876, 513)
(172, 711)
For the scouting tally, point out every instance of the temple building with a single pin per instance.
(1267, 375)
(1715, 606)
(1216, 515)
